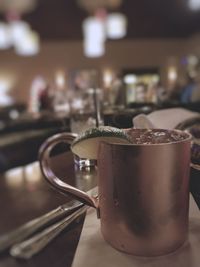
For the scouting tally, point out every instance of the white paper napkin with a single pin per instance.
(93, 251)
(166, 118)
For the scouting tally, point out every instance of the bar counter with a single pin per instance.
(25, 195)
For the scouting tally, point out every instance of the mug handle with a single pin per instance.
(56, 182)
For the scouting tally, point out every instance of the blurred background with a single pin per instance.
(140, 55)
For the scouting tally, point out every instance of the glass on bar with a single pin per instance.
(86, 110)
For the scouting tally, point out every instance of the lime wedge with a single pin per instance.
(86, 144)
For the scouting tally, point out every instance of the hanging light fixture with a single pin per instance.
(102, 25)
(94, 37)
(18, 30)
(18, 34)
(5, 36)
(29, 45)
(94, 27)
(116, 26)
(15, 32)
(93, 48)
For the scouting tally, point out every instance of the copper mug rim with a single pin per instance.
(186, 137)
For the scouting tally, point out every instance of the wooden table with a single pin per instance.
(24, 195)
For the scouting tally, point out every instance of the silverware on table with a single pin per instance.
(29, 228)
(34, 245)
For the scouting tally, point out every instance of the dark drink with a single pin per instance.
(155, 136)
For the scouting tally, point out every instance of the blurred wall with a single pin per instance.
(67, 56)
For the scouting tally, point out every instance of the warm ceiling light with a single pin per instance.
(116, 25)
(107, 78)
(60, 79)
(172, 74)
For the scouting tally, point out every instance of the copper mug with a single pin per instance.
(143, 197)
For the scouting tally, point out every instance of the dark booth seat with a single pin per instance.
(21, 139)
